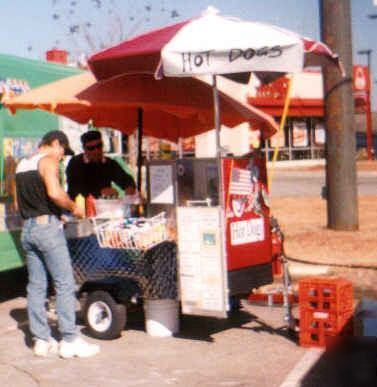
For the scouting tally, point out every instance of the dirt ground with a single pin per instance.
(303, 221)
(351, 254)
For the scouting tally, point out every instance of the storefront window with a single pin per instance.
(300, 134)
(319, 134)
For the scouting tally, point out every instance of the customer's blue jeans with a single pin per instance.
(46, 250)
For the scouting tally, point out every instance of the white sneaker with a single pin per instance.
(78, 347)
(43, 348)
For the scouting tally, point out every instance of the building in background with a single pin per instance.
(304, 133)
(303, 136)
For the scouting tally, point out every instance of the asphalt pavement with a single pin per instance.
(300, 183)
(250, 348)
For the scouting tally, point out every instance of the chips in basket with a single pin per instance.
(132, 233)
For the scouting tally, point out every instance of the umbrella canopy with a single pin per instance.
(210, 44)
(172, 108)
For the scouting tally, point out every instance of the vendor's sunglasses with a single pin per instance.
(95, 146)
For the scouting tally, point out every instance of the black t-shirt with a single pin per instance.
(31, 191)
(89, 178)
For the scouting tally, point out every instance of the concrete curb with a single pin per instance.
(288, 164)
(306, 269)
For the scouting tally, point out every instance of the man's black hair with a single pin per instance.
(90, 136)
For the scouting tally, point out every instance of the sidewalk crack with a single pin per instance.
(23, 371)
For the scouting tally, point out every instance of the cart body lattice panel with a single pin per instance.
(155, 269)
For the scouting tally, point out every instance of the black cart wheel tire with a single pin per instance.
(104, 317)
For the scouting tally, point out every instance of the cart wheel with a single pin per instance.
(103, 316)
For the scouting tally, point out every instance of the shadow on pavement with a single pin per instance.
(191, 327)
(352, 364)
(13, 284)
(20, 316)
(202, 328)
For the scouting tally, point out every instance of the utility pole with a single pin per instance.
(342, 204)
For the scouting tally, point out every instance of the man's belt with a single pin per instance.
(42, 219)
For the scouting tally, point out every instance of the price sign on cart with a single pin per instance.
(247, 231)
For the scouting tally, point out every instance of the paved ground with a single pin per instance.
(248, 349)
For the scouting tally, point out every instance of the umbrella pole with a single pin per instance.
(180, 149)
(139, 146)
(216, 105)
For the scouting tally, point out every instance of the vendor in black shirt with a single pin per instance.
(92, 173)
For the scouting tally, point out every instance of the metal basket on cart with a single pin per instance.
(132, 233)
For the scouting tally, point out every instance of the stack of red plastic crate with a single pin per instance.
(326, 310)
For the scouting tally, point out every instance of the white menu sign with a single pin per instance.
(161, 184)
(201, 269)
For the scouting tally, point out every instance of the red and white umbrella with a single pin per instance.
(211, 44)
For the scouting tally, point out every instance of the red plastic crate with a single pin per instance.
(313, 339)
(324, 329)
(326, 322)
(326, 310)
(326, 294)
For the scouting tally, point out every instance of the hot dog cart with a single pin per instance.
(204, 254)
(224, 251)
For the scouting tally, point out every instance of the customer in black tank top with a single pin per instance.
(40, 200)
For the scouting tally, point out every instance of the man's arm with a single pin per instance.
(121, 178)
(72, 180)
(49, 170)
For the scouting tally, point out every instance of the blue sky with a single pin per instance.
(30, 27)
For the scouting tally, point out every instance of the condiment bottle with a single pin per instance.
(90, 206)
(80, 201)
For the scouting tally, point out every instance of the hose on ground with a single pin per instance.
(347, 266)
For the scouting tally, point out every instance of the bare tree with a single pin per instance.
(92, 25)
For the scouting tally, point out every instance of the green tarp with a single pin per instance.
(11, 255)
